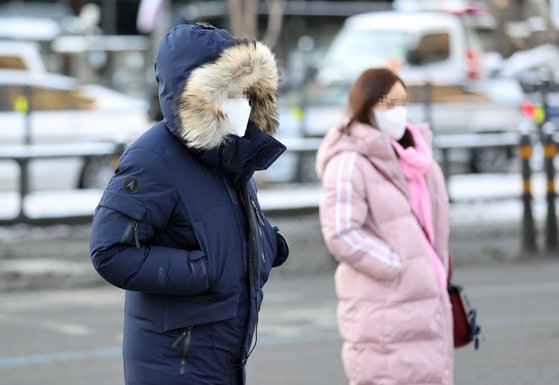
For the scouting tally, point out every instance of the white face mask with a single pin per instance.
(392, 121)
(238, 112)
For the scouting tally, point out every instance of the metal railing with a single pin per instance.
(307, 147)
(24, 154)
(448, 143)
(521, 144)
(443, 143)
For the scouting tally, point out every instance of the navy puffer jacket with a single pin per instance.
(179, 225)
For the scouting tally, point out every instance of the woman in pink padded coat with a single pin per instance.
(384, 218)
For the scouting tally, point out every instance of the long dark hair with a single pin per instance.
(366, 91)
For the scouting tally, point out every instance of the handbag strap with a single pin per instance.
(450, 267)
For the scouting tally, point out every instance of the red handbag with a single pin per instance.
(466, 328)
(464, 317)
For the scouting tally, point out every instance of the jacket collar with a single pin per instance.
(370, 143)
(382, 154)
(384, 159)
(240, 157)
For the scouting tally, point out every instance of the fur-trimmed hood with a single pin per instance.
(197, 66)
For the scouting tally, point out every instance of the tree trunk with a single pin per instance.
(251, 19)
(235, 8)
(243, 18)
(275, 22)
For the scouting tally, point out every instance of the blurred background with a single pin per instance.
(472, 67)
(77, 86)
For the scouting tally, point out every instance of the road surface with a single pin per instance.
(58, 337)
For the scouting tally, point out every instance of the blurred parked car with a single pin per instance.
(55, 109)
(19, 55)
(34, 21)
(537, 70)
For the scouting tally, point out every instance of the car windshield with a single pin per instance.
(357, 50)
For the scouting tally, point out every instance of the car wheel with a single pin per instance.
(97, 172)
(306, 169)
(492, 160)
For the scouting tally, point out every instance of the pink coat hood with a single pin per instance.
(395, 322)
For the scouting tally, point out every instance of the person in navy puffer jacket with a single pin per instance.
(179, 226)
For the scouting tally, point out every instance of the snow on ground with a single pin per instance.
(50, 204)
(485, 218)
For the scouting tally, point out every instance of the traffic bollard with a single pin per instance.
(528, 229)
(550, 151)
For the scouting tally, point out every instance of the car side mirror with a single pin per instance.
(413, 57)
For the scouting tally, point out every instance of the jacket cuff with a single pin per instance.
(283, 249)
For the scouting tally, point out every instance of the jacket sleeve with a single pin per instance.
(283, 248)
(138, 203)
(343, 212)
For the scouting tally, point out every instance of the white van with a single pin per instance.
(433, 45)
(434, 48)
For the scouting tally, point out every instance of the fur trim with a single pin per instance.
(247, 66)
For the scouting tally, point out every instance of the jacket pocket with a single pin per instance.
(202, 264)
(198, 264)
(123, 204)
(183, 342)
(133, 213)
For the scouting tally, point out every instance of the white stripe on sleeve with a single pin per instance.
(353, 237)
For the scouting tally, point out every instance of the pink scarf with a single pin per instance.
(414, 162)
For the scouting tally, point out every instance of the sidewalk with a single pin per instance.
(485, 216)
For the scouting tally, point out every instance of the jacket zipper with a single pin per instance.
(256, 212)
(186, 335)
(136, 237)
(259, 229)
(251, 265)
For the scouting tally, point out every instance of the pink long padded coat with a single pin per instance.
(395, 321)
